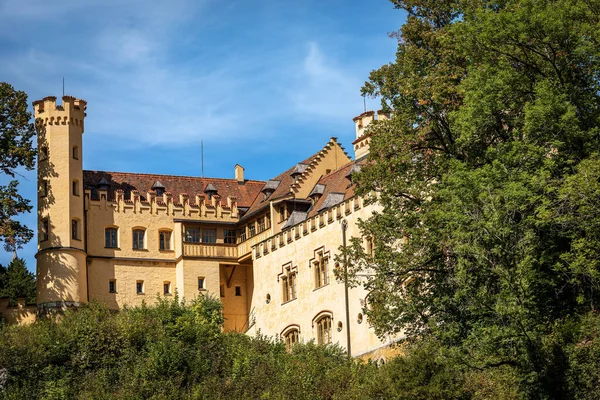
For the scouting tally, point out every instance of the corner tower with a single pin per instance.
(61, 257)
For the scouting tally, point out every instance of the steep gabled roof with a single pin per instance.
(337, 188)
(288, 183)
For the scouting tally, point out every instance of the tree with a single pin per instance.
(17, 282)
(16, 151)
(488, 174)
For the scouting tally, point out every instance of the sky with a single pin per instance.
(263, 84)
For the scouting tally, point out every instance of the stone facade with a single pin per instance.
(266, 249)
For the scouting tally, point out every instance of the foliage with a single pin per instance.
(17, 282)
(167, 351)
(16, 133)
(488, 240)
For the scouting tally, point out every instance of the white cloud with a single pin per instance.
(324, 88)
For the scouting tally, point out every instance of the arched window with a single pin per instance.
(291, 336)
(324, 330)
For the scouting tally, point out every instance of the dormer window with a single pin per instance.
(354, 170)
(210, 191)
(158, 188)
(298, 170)
(316, 193)
(269, 188)
(103, 184)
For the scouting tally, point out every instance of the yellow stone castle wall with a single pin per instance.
(20, 314)
(298, 250)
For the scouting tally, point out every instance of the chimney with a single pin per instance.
(239, 173)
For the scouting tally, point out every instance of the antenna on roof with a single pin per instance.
(365, 103)
(202, 155)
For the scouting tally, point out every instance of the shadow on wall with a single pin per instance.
(20, 314)
(53, 279)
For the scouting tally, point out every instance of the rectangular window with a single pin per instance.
(43, 153)
(164, 240)
(321, 270)
(201, 282)
(238, 290)
(45, 230)
(167, 288)
(209, 235)
(112, 286)
(242, 235)
(261, 225)
(138, 239)
(192, 235)
(75, 153)
(110, 237)
(75, 188)
(75, 229)
(222, 290)
(289, 286)
(44, 189)
(139, 287)
(251, 229)
(229, 236)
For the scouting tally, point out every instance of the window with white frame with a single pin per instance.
(164, 240)
(138, 239)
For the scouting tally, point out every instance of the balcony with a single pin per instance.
(246, 246)
(216, 250)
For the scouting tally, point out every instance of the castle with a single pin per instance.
(266, 249)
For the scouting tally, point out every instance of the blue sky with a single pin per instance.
(262, 83)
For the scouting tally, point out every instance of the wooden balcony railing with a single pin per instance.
(210, 250)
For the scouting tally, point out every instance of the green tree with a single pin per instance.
(16, 151)
(488, 176)
(17, 282)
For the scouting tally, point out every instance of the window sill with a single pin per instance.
(79, 240)
(289, 301)
(166, 251)
(141, 294)
(144, 250)
(168, 294)
(202, 290)
(112, 293)
(112, 248)
(320, 287)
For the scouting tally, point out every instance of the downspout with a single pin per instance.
(349, 346)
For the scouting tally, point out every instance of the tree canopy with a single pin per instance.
(16, 133)
(488, 174)
(17, 282)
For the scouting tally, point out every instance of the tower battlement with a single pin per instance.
(71, 112)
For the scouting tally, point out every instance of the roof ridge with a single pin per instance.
(168, 175)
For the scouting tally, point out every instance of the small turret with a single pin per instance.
(363, 140)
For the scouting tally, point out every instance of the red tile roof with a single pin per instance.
(245, 193)
(283, 189)
(335, 182)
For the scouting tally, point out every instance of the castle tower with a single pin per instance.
(363, 140)
(61, 257)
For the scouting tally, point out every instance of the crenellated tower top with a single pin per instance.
(71, 112)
